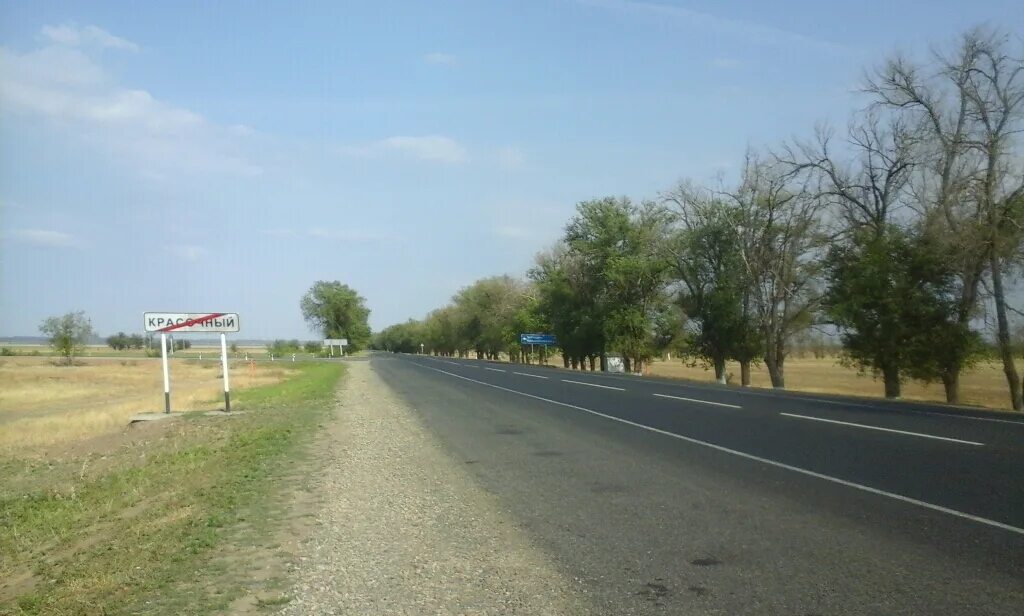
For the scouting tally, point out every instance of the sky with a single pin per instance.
(224, 156)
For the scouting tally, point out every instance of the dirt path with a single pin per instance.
(404, 530)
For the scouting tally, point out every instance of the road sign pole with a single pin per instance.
(167, 373)
(224, 364)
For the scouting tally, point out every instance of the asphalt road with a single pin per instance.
(667, 497)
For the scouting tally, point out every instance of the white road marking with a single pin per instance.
(493, 369)
(783, 465)
(593, 385)
(535, 376)
(731, 406)
(450, 362)
(867, 427)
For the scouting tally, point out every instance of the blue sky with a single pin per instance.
(224, 156)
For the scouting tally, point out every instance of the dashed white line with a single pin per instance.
(493, 369)
(593, 385)
(731, 406)
(534, 376)
(783, 465)
(880, 429)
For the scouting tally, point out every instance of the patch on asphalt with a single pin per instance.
(705, 562)
(509, 431)
(607, 488)
(654, 591)
(700, 591)
(548, 454)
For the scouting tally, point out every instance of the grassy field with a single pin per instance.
(44, 403)
(102, 350)
(983, 385)
(145, 520)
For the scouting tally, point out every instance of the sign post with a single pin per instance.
(341, 342)
(224, 365)
(167, 373)
(542, 340)
(192, 322)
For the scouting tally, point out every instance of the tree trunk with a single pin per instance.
(745, 373)
(1003, 334)
(776, 371)
(592, 358)
(638, 365)
(604, 362)
(951, 382)
(566, 361)
(891, 378)
(720, 370)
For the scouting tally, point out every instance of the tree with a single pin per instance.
(337, 311)
(892, 296)
(313, 346)
(119, 341)
(711, 281)
(941, 107)
(68, 334)
(616, 247)
(780, 243)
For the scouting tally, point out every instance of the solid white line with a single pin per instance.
(450, 362)
(493, 369)
(788, 467)
(857, 425)
(732, 406)
(593, 385)
(536, 376)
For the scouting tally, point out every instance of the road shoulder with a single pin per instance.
(403, 528)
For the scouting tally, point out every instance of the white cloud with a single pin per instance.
(510, 158)
(65, 85)
(439, 57)
(46, 238)
(433, 148)
(187, 252)
(73, 36)
(725, 63)
(747, 30)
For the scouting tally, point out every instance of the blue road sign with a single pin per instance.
(539, 339)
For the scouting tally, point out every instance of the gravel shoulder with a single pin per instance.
(404, 529)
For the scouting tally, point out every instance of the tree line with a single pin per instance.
(899, 234)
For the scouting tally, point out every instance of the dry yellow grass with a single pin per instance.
(45, 404)
(984, 385)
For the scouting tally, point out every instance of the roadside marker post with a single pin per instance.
(167, 373)
(191, 322)
(224, 365)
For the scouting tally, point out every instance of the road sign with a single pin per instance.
(335, 341)
(538, 339)
(191, 322)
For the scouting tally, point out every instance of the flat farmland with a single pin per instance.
(43, 403)
(983, 385)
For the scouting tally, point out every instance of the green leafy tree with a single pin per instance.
(894, 298)
(337, 311)
(712, 283)
(68, 334)
(119, 341)
(313, 347)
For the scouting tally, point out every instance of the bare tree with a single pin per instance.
(935, 104)
(781, 245)
(994, 89)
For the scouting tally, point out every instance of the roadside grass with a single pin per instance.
(138, 530)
